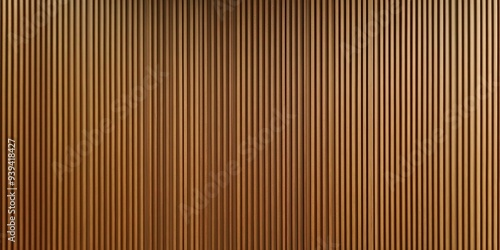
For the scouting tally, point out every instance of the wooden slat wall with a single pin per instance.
(238, 124)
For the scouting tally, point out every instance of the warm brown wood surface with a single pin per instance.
(251, 124)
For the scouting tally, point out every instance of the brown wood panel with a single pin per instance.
(238, 124)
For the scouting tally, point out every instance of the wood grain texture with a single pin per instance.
(251, 124)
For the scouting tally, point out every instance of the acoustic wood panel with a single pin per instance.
(250, 124)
